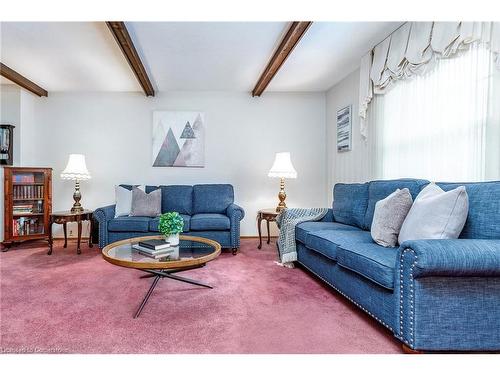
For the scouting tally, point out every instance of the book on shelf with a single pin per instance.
(28, 192)
(26, 178)
(25, 226)
(154, 244)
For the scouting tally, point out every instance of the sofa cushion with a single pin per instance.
(349, 203)
(129, 224)
(484, 209)
(177, 198)
(326, 242)
(210, 222)
(302, 229)
(148, 188)
(144, 204)
(378, 190)
(123, 200)
(212, 198)
(389, 215)
(436, 214)
(375, 262)
(153, 223)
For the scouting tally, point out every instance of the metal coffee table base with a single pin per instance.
(160, 274)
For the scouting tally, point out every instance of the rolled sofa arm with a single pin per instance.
(235, 214)
(461, 257)
(103, 215)
(329, 216)
(444, 284)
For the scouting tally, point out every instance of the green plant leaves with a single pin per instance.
(170, 223)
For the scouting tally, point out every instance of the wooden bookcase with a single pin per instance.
(27, 204)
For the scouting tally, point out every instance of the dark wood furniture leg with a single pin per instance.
(78, 251)
(51, 239)
(90, 231)
(408, 350)
(65, 229)
(259, 221)
(268, 234)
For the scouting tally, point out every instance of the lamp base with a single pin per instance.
(281, 196)
(77, 196)
(77, 210)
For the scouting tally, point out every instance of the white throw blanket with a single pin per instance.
(287, 220)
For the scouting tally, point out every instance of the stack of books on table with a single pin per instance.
(154, 248)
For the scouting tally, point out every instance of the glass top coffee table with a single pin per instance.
(192, 252)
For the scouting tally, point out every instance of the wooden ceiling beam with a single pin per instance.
(22, 81)
(122, 37)
(292, 37)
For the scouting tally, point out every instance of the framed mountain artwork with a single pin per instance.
(178, 139)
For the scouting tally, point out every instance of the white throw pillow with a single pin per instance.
(436, 214)
(389, 216)
(123, 200)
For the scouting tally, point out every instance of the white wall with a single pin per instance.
(351, 166)
(10, 113)
(113, 130)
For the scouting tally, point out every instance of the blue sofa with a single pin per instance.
(208, 211)
(434, 295)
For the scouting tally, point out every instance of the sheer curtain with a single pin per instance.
(442, 125)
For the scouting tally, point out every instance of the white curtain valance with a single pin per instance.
(413, 48)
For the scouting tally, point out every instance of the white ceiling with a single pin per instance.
(205, 55)
(66, 56)
(327, 53)
(227, 56)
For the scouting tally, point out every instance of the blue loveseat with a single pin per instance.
(434, 295)
(208, 211)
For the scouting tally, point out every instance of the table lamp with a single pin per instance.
(76, 170)
(282, 168)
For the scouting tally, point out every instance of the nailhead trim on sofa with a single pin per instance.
(103, 230)
(411, 295)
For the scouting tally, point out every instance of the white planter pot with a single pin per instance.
(173, 239)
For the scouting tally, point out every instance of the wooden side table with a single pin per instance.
(64, 217)
(267, 214)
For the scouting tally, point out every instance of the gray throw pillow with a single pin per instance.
(436, 214)
(144, 204)
(389, 216)
(123, 200)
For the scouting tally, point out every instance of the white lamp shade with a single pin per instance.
(76, 169)
(282, 166)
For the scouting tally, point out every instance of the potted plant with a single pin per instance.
(171, 224)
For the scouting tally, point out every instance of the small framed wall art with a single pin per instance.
(344, 129)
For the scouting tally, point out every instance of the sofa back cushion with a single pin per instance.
(178, 198)
(381, 189)
(148, 188)
(483, 221)
(349, 203)
(212, 198)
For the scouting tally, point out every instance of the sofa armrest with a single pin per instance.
(448, 283)
(235, 211)
(461, 257)
(329, 216)
(103, 215)
(235, 214)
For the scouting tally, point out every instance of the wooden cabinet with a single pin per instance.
(27, 204)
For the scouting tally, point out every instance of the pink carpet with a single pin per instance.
(65, 303)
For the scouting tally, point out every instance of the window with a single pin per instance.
(442, 125)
